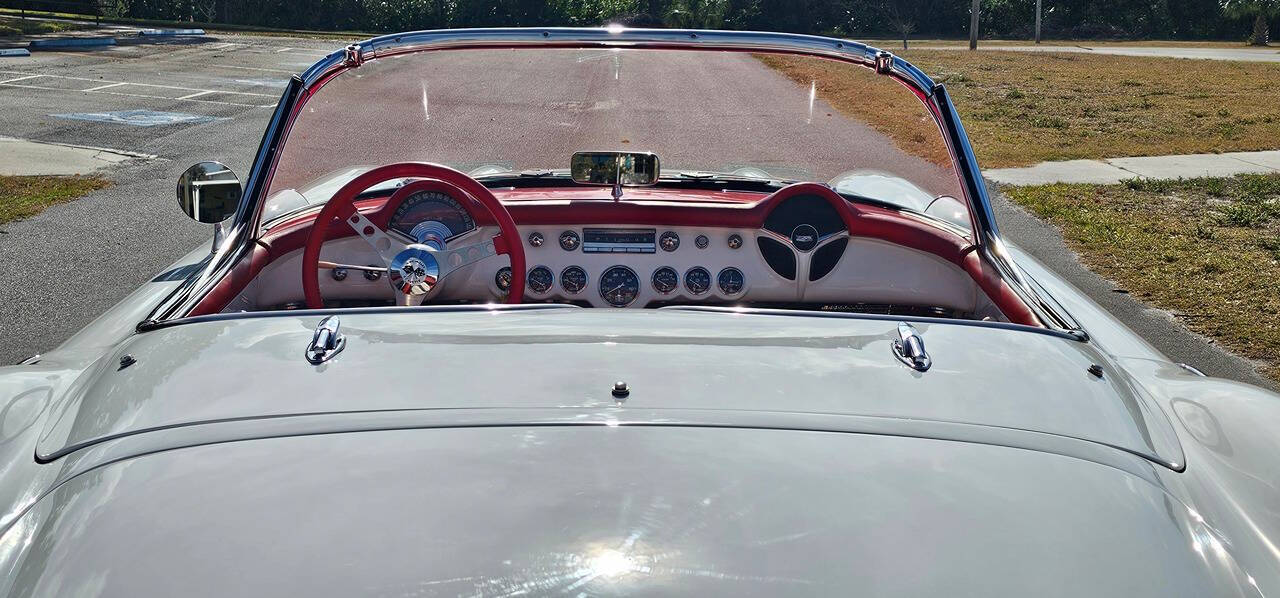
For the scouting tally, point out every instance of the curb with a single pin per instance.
(170, 32)
(15, 52)
(73, 42)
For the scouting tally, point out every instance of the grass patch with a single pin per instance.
(1207, 250)
(25, 196)
(14, 27)
(1021, 108)
(1099, 106)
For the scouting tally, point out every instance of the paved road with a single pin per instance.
(1245, 54)
(62, 268)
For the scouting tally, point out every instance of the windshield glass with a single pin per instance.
(771, 117)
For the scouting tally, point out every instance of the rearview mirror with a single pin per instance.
(209, 192)
(618, 169)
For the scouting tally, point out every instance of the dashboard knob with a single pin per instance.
(701, 241)
(669, 241)
(569, 240)
(503, 279)
(536, 239)
(735, 241)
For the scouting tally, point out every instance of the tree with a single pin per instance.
(973, 24)
(1260, 10)
(901, 15)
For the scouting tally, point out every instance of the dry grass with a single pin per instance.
(26, 196)
(1207, 250)
(1025, 108)
(1021, 108)
(878, 101)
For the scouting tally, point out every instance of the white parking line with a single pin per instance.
(153, 85)
(140, 95)
(196, 95)
(19, 79)
(107, 86)
(221, 46)
(283, 50)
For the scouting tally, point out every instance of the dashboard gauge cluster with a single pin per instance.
(630, 280)
(431, 209)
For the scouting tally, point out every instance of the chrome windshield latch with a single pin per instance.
(909, 348)
(326, 342)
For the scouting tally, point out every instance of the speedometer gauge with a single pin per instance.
(619, 286)
(431, 206)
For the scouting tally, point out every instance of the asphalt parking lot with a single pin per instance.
(187, 100)
(67, 265)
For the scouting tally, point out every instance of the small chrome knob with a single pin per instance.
(735, 241)
(338, 274)
(701, 241)
(669, 241)
(620, 390)
(503, 279)
(569, 240)
(372, 274)
(536, 239)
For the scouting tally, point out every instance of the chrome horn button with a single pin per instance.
(414, 271)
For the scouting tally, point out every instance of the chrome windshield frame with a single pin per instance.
(985, 234)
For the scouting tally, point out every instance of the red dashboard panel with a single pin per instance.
(656, 207)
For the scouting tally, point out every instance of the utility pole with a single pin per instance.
(973, 25)
(1037, 21)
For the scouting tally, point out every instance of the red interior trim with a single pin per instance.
(649, 207)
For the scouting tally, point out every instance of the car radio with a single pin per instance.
(619, 240)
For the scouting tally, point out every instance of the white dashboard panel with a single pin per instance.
(870, 271)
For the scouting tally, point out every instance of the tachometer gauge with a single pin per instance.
(428, 206)
(619, 286)
(503, 279)
(665, 280)
(540, 280)
(731, 281)
(573, 279)
(697, 280)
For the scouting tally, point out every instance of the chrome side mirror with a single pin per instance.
(209, 192)
(615, 169)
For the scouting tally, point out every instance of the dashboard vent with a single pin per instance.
(826, 258)
(778, 256)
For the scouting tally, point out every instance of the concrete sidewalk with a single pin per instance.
(1115, 170)
(36, 158)
(1268, 54)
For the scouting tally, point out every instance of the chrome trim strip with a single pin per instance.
(372, 49)
(387, 309)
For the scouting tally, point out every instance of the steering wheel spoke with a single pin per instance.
(380, 241)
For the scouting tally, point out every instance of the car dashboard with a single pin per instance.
(654, 248)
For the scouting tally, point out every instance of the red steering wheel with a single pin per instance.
(413, 269)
